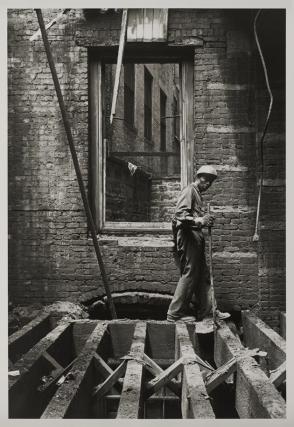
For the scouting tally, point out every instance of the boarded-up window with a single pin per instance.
(147, 25)
(129, 93)
(147, 104)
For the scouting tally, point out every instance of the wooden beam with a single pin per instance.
(51, 360)
(104, 369)
(195, 400)
(283, 324)
(131, 396)
(66, 400)
(119, 62)
(32, 367)
(31, 357)
(50, 24)
(278, 376)
(155, 370)
(21, 341)
(256, 396)
(164, 378)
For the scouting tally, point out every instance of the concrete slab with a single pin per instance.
(259, 334)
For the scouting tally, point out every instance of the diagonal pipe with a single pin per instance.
(75, 161)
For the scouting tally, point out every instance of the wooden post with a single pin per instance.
(76, 163)
(119, 62)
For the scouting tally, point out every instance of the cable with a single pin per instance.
(256, 235)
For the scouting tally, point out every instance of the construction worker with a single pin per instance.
(194, 284)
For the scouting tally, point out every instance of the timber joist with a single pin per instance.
(136, 369)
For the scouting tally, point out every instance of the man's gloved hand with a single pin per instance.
(207, 220)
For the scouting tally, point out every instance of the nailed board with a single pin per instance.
(147, 25)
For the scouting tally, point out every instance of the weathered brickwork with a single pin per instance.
(50, 254)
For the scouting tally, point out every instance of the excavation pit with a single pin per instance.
(142, 369)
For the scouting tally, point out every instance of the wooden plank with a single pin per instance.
(103, 388)
(186, 122)
(119, 62)
(256, 396)
(51, 359)
(278, 376)
(148, 21)
(23, 389)
(164, 378)
(195, 400)
(219, 375)
(159, 27)
(31, 357)
(96, 158)
(283, 324)
(258, 334)
(132, 25)
(156, 370)
(140, 25)
(130, 405)
(25, 338)
(105, 370)
(68, 399)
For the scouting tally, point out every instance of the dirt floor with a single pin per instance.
(18, 315)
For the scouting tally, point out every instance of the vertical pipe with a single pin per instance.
(75, 161)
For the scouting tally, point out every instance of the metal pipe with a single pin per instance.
(75, 161)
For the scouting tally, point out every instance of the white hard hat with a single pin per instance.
(208, 170)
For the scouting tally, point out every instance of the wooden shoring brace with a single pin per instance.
(25, 364)
(119, 62)
(195, 400)
(156, 370)
(218, 376)
(164, 377)
(278, 376)
(50, 24)
(102, 389)
(68, 392)
(255, 396)
(73, 152)
(258, 333)
(105, 370)
(130, 405)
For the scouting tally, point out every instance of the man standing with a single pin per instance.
(188, 221)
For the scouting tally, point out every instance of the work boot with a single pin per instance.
(222, 315)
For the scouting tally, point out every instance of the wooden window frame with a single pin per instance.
(148, 88)
(98, 147)
(129, 94)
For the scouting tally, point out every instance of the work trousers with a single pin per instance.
(194, 283)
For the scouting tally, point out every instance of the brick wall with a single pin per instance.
(50, 256)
